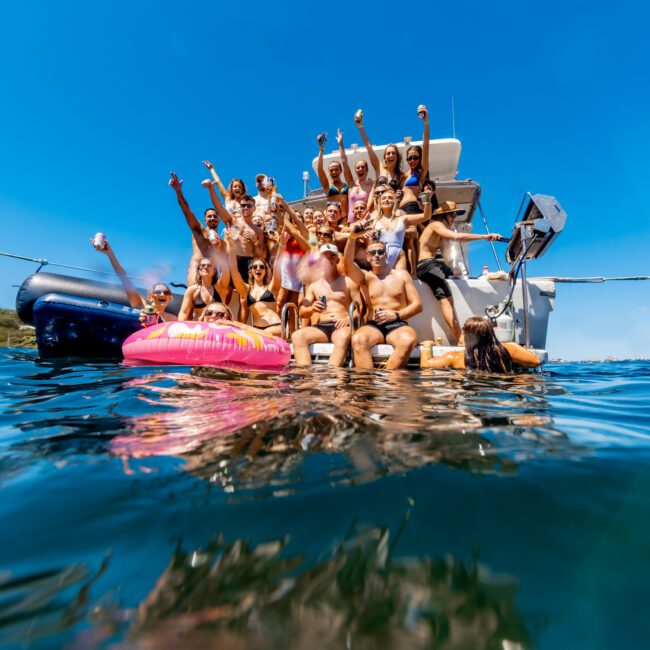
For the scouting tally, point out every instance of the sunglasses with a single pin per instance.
(377, 251)
(257, 267)
(217, 314)
(320, 233)
(379, 193)
(409, 158)
(336, 203)
(205, 266)
(246, 205)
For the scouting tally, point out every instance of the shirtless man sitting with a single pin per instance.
(329, 298)
(434, 272)
(202, 246)
(393, 299)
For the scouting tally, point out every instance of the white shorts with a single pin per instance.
(289, 268)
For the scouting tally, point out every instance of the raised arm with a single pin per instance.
(216, 202)
(352, 269)
(372, 156)
(320, 170)
(521, 356)
(213, 172)
(349, 179)
(276, 282)
(135, 299)
(423, 113)
(237, 280)
(224, 279)
(296, 222)
(192, 221)
(297, 235)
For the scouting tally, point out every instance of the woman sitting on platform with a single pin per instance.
(261, 291)
(159, 295)
(208, 285)
(483, 351)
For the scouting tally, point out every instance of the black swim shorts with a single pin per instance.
(435, 273)
(387, 328)
(327, 327)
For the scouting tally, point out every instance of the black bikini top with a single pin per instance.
(267, 296)
(198, 301)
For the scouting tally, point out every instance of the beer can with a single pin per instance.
(424, 197)
(323, 299)
(322, 139)
(438, 340)
(213, 236)
(99, 241)
(150, 315)
(358, 116)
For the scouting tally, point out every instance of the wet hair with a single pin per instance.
(398, 165)
(210, 210)
(483, 351)
(197, 275)
(267, 272)
(216, 304)
(236, 180)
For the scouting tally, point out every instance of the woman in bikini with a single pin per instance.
(391, 224)
(359, 189)
(208, 286)
(417, 158)
(231, 196)
(336, 190)
(260, 291)
(391, 167)
(483, 351)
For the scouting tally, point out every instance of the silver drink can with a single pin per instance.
(213, 236)
(99, 241)
(358, 116)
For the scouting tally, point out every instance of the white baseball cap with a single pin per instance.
(328, 248)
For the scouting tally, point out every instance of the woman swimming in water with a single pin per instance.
(208, 285)
(483, 351)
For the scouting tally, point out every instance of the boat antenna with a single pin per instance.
(453, 118)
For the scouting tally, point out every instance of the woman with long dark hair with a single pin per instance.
(483, 351)
(235, 192)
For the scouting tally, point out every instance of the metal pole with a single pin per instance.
(524, 284)
(487, 230)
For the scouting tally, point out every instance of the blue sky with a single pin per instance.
(102, 100)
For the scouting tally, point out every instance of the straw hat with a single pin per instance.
(447, 207)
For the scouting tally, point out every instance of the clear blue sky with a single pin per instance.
(101, 100)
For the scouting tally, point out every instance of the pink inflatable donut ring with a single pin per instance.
(205, 344)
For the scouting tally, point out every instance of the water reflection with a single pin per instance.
(246, 432)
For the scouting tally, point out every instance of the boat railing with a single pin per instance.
(285, 332)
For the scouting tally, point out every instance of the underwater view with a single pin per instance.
(168, 507)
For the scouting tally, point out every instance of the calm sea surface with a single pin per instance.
(180, 508)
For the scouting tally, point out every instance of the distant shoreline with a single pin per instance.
(13, 333)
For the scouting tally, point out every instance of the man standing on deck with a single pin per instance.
(434, 272)
(393, 299)
(202, 245)
(330, 298)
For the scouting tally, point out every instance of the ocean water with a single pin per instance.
(171, 507)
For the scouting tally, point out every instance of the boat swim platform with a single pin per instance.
(321, 352)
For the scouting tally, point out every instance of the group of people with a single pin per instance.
(356, 257)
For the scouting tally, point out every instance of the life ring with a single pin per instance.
(190, 343)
